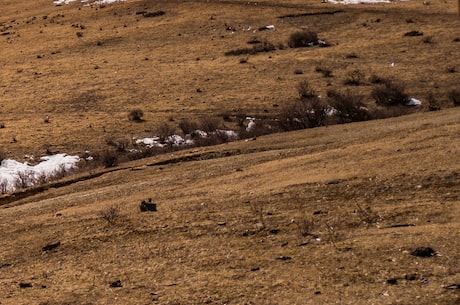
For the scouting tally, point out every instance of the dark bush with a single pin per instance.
(354, 78)
(121, 145)
(303, 39)
(188, 126)
(433, 104)
(390, 94)
(348, 107)
(136, 115)
(209, 124)
(264, 46)
(303, 113)
(109, 158)
(165, 130)
(454, 97)
(326, 72)
(375, 79)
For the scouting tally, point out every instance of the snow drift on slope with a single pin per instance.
(14, 174)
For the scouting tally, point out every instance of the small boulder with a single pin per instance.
(423, 252)
(148, 206)
(51, 246)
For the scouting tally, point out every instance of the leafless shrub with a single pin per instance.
(165, 130)
(390, 93)
(111, 214)
(348, 107)
(188, 126)
(305, 90)
(354, 78)
(302, 39)
(433, 104)
(121, 145)
(367, 215)
(303, 113)
(24, 179)
(209, 124)
(109, 158)
(136, 115)
(3, 187)
(454, 97)
(257, 208)
(305, 226)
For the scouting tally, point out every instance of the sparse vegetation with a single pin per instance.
(109, 158)
(264, 46)
(390, 93)
(305, 90)
(302, 39)
(111, 214)
(454, 97)
(303, 113)
(354, 78)
(136, 115)
(348, 107)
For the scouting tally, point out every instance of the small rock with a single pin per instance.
(148, 206)
(116, 284)
(255, 269)
(284, 258)
(221, 223)
(423, 252)
(453, 286)
(392, 281)
(25, 285)
(51, 246)
(317, 292)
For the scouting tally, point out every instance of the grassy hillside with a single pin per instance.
(83, 68)
(341, 214)
(322, 216)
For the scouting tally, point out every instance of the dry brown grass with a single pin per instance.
(233, 221)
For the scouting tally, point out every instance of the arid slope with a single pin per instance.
(322, 216)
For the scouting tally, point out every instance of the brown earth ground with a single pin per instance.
(173, 66)
(328, 215)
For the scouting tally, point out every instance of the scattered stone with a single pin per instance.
(51, 246)
(317, 292)
(284, 258)
(25, 285)
(411, 277)
(413, 33)
(4, 265)
(423, 252)
(221, 223)
(453, 286)
(153, 14)
(116, 284)
(392, 281)
(148, 206)
(255, 269)
(274, 231)
(319, 212)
